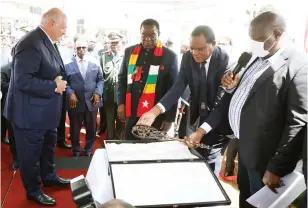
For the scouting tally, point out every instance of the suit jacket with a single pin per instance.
(32, 102)
(165, 80)
(188, 76)
(275, 110)
(287, 156)
(5, 82)
(84, 88)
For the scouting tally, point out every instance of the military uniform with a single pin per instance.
(111, 64)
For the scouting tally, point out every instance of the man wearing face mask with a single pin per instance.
(201, 69)
(268, 106)
(147, 73)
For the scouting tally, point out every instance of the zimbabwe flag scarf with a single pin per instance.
(146, 101)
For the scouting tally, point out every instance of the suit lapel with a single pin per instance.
(212, 67)
(51, 48)
(195, 76)
(279, 63)
(89, 68)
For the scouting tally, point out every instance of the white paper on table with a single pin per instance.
(165, 183)
(294, 185)
(171, 150)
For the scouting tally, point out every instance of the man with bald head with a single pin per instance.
(116, 203)
(34, 104)
(268, 108)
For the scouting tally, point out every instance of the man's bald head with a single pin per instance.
(268, 27)
(54, 23)
(116, 203)
(270, 21)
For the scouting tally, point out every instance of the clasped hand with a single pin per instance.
(61, 85)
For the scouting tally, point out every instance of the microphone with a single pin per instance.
(241, 63)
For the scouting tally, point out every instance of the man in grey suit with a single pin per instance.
(268, 108)
(84, 93)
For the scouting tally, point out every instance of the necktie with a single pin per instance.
(203, 110)
(57, 49)
(83, 69)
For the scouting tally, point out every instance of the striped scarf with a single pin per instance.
(147, 99)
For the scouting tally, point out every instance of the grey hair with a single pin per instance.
(52, 14)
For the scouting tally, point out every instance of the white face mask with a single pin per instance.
(257, 48)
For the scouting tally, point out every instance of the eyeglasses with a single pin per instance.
(78, 48)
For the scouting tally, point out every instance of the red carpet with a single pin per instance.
(15, 196)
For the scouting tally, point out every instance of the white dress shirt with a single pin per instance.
(205, 125)
(52, 42)
(241, 94)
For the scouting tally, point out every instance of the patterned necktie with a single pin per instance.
(83, 69)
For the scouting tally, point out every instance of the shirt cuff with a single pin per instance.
(230, 91)
(206, 127)
(163, 109)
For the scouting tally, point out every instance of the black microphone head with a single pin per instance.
(244, 59)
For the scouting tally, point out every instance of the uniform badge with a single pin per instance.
(203, 106)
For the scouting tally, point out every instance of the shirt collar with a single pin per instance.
(79, 59)
(273, 59)
(52, 42)
(207, 60)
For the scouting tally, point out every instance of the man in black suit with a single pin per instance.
(34, 104)
(147, 73)
(5, 124)
(268, 108)
(201, 69)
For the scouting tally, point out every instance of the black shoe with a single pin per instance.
(61, 182)
(15, 165)
(43, 199)
(5, 141)
(64, 145)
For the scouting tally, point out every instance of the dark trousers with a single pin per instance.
(183, 123)
(232, 150)
(61, 127)
(103, 123)
(76, 119)
(249, 182)
(7, 126)
(115, 127)
(36, 149)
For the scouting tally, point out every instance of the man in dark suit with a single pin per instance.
(84, 93)
(5, 82)
(148, 71)
(201, 69)
(268, 108)
(5, 124)
(34, 104)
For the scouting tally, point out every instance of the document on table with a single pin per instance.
(171, 150)
(294, 185)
